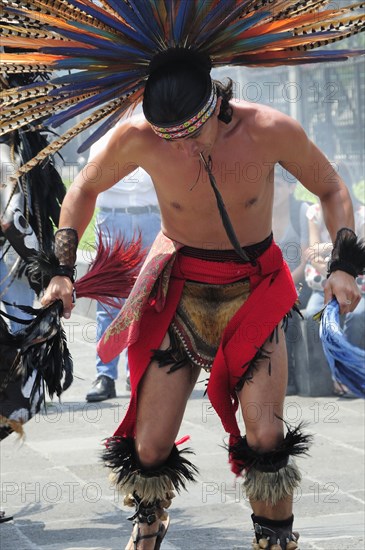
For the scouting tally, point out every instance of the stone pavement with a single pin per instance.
(58, 492)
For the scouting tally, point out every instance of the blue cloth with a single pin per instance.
(353, 323)
(110, 223)
(19, 292)
(346, 361)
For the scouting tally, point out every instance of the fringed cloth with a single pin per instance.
(147, 314)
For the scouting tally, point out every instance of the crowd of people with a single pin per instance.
(300, 231)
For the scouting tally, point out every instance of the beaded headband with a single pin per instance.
(191, 125)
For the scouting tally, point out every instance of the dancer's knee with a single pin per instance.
(152, 455)
(265, 438)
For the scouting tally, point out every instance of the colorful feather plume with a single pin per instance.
(99, 55)
(41, 191)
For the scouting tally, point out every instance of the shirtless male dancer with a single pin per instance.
(194, 135)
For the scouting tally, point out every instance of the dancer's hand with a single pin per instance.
(343, 286)
(60, 288)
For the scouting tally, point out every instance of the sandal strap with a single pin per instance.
(275, 532)
(150, 536)
(138, 537)
(144, 513)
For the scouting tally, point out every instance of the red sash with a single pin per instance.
(272, 295)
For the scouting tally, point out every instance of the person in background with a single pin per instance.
(16, 407)
(290, 229)
(320, 247)
(128, 208)
(29, 209)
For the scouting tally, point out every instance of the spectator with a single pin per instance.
(15, 403)
(290, 229)
(28, 211)
(128, 207)
(320, 247)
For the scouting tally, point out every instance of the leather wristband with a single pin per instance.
(66, 241)
(66, 271)
(338, 265)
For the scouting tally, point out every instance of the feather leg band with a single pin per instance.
(110, 49)
(149, 484)
(295, 443)
(271, 476)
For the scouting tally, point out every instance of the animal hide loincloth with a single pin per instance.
(203, 314)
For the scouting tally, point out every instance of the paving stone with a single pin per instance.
(58, 491)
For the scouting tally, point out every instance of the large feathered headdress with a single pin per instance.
(100, 53)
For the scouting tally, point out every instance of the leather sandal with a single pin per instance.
(159, 535)
(148, 513)
(266, 543)
(274, 537)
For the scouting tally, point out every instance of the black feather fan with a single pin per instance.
(43, 347)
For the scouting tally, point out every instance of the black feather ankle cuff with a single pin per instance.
(149, 484)
(295, 443)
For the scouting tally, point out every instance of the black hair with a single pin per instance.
(178, 87)
(225, 91)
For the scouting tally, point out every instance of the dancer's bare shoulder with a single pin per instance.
(123, 149)
(131, 137)
(263, 123)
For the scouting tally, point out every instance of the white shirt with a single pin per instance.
(136, 189)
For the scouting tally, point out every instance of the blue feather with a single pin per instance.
(100, 43)
(347, 362)
(185, 10)
(107, 83)
(139, 35)
(88, 103)
(144, 12)
(71, 52)
(125, 12)
(84, 78)
(107, 53)
(217, 14)
(220, 17)
(129, 15)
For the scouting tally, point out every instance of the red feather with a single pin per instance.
(113, 272)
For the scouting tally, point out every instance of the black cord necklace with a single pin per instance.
(197, 179)
(227, 224)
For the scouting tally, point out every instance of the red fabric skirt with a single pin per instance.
(272, 295)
